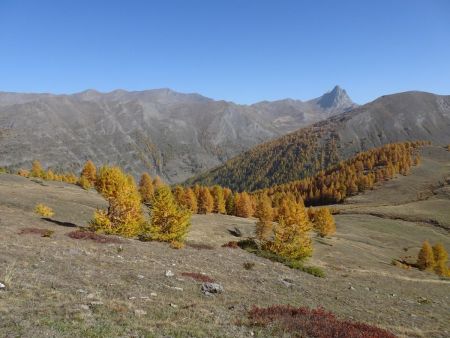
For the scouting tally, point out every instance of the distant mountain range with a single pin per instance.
(170, 134)
(392, 118)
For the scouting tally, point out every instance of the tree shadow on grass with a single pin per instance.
(64, 224)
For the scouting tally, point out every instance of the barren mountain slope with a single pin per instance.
(64, 287)
(161, 131)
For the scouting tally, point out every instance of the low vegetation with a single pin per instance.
(43, 210)
(251, 246)
(316, 323)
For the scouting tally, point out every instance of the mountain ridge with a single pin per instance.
(174, 135)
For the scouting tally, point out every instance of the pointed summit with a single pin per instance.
(335, 100)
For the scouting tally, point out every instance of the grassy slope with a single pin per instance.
(59, 286)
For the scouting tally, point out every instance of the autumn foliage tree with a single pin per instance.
(219, 200)
(243, 205)
(146, 188)
(264, 213)
(169, 222)
(88, 175)
(190, 200)
(323, 221)
(425, 259)
(291, 234)
(205, 201)
(440, 260)
(36, 169)
(124, 214)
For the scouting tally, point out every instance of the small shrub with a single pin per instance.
(251, 246)
(248, 265)
(176, 245)
(198, 277)
(43, 210)
(36, 231)
(317, 323)
(231, 244)
(23, 173)
(84, 234)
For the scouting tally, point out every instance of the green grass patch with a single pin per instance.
(250, 245)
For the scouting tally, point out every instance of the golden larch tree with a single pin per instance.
(243, 205)
(264, 213)
(440, 259)
(323, 222)
(89, 172)
(425, 259)
(291, 235)
(146, 188)
(205, 201)
(36, 169)
(219, 200)
(190, 200)
(124, 215)
(230, 205)
(169, 222)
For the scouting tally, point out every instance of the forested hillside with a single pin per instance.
(400, 117)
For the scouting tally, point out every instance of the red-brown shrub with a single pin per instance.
(317, 323)
(198, 277)
(36, 231)
(82, 234)
(231, 244)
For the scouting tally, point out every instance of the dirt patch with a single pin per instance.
(89, 235)
(36, 231)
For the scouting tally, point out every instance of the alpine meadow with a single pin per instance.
(225, 169)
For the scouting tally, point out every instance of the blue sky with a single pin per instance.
(243, 51)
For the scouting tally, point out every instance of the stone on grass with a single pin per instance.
(139, 312)
(169, 273)
(211, 288)
(2, 286)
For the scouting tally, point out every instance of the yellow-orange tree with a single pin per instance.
(440, 258)
(169, 222)
(36, 169)
(88, 175)
(124, 215)
(291, 234)
(425, 259)
(264, 213)
(243, 205)
(219, 200)
(323, 222)
(205, 201)
(146, 188)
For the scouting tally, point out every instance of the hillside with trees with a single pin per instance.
(394, 118)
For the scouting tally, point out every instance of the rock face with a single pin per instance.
(160, 131)
(400, 117)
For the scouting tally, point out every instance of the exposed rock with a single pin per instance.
(211, 288)
(2, 286)
(139, 312)
(169, 273)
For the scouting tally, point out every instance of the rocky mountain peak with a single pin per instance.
(336, 99)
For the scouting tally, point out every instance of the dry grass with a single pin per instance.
(198, 277)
